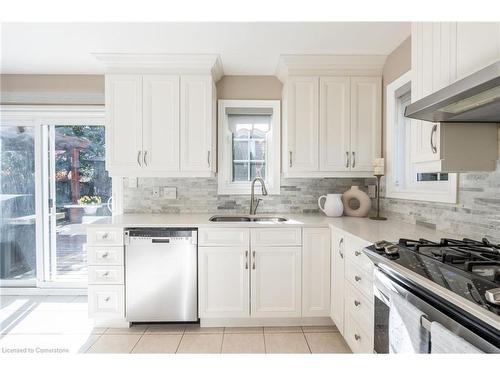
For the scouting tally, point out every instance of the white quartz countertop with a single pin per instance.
(364, 228)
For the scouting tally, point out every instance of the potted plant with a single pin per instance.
(90, 203)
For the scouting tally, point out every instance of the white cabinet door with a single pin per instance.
(276, 282)
(123, 99)
(478, 45)
(366, 121)
(337, 280)
(301, 125)
(316, 272)
(161, 122)
(334, 123)
(223, 277)
(196, 123)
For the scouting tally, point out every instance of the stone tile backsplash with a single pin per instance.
(476, 215)
(197, 195)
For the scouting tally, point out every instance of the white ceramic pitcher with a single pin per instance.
(333, 205)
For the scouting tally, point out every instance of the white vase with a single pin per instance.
(333, 206)
(362, 202)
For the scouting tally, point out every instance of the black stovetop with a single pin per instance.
(468, 268)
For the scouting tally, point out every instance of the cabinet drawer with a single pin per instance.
(106, 275)
(276, 237)
(105, 255)
(106, 301)
(224, 237)
(354, 252)
(359, 307)
(105, 236)
(358, 339)
(362, 280)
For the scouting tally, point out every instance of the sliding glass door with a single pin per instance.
(79, 191)
(18, 207)
(52, 183)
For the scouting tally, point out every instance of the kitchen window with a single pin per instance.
(249, 133)
(402, 179)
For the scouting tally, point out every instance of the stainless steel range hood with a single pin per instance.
(475, 98)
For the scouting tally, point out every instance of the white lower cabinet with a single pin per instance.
(224, 282)
(316, 272)
(276, 282)
(352, 291)
(106, 301)
(337, 280)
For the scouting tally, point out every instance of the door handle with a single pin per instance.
(357, 303)
(253, 263)
(353, 159)
(139, 158)
(357, 337)
(208, 158)
(341, 242)
(145, 161)
(433, 133)
(246, 259)
(357, 253)
(347, 159)
(357, 278)
(290, 159)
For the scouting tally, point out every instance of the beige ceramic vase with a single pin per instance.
(356, 202)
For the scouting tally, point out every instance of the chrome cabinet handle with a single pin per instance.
(357, 253)
(145, 160)
(357, 303)
(357, 278)
(353, 159)
(106, 299)
(253, 264)
(105, 274)
(105, 235)
(246, 259)
(105, 255)
(208, 158)
(139, 158)
(341, 242)
(290, 159)
(347, 159)
(357, 337)
(433, 133)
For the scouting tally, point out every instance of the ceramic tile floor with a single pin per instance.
(60, 323)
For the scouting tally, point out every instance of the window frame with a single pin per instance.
(225, 184)
(411, 189)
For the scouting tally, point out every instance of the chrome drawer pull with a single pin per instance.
(357, 303)
(357, 278)
(105, 274)
(357, 253)
(105, 255)
(105, 236)
(357, 337)
(107, 299)
(340, 245)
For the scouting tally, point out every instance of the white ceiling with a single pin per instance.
(245, 48)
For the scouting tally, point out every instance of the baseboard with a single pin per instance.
(265, 322)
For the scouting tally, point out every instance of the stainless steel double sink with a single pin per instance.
(248, 218)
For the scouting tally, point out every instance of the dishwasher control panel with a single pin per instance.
(161, 236)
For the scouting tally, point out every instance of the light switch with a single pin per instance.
(169, 192)
(156, 192)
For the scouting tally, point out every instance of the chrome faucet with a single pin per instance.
(253, 204)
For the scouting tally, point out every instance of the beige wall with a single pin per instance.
(396, 64)
(52, 83)
(249, 87)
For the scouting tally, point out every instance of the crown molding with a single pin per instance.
(162, 63)
(329, 65)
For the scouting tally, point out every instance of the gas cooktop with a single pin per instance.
(466, 267)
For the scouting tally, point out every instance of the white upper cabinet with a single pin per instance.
(442, 53)
(123, 106)
(196, 123)
(366, 120)
(161, 122)
(332, 117)
(301, 124)
(334, 123)
(160, 116)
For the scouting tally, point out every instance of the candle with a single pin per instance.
(378, 167)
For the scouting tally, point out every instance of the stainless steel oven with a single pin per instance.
(386, 283)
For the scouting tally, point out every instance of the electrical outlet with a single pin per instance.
(169, 192)
(372, 191)
(156, 192)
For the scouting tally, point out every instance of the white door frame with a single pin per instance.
(39, 116)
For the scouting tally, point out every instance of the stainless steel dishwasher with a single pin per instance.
(161, 274)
